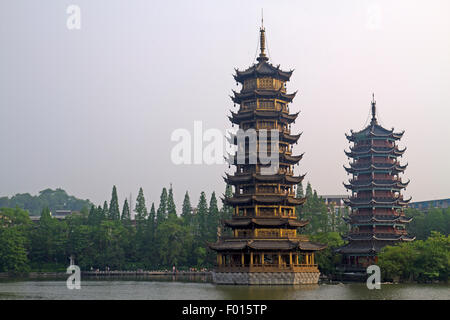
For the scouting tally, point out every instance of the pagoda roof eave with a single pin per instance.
(253, 114)
(264, 199)
(268, 94)
(239, 245)
(374, 131)
(265, 222)
(242, 178)
(395, 151)
(262, 68)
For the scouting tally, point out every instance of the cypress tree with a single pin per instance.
(149, 247)
(114, 211)
(171, 208)
(202, 211)
(151, 220)
(105, 210)
(212, 220)
(186, 211)
(126, 216)
(141, 209)
(227, 209)
(161, 214)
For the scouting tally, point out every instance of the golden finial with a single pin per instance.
(262, 40)
(374, 111)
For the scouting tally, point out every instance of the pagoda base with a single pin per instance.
(266, 278)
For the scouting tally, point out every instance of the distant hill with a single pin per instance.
(57, 199)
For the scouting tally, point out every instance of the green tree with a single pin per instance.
(326, 259)
(14, 229)
(212, 219)
(105, 211)
(114, 211)
(161, 214)
(141, 209)
(186, 211)
(171, 208)
(13, 255)
(126, 211)
(421, 260)
(173, 242)
(200, 217)
(48, 243)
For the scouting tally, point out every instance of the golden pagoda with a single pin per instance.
(264, 247)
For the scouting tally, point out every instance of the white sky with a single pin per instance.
(86, 109)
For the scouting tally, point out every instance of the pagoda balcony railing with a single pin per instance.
(267, 268)
(377, 143)
(271, 237)
(276, 214)
(365, 181)
(368, 147)
(262, 193)
(380, 233)
(365, 163)
(381, 199)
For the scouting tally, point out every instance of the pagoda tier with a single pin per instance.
(284, 158)
(395, 184)
(272, 198)
(374, 132)
(253, 178)
(263, 94)
(356, 202)
(262, 70)
(364, 168)
(283, 137)
(279, 244)
(371, 150)
(377, 217)
(264, 224)
(253, 115)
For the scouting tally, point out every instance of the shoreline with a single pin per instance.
(45, 275)
(126, 274)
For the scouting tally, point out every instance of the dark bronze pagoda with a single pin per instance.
(377, 218)
(264, 247)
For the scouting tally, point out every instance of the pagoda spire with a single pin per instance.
(262, 41)
(374, 110)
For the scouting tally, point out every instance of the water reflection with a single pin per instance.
(179, 287)
(263, 292)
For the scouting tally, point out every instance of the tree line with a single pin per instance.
(106, 236)
(57, 199)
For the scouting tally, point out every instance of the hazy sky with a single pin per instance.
(86, 109)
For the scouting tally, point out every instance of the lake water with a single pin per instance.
(202, 289)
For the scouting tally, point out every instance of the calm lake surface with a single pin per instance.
(183, 288)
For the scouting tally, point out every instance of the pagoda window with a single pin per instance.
(266, 104)
(265, 83)
(249, 84)
(250, 105)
